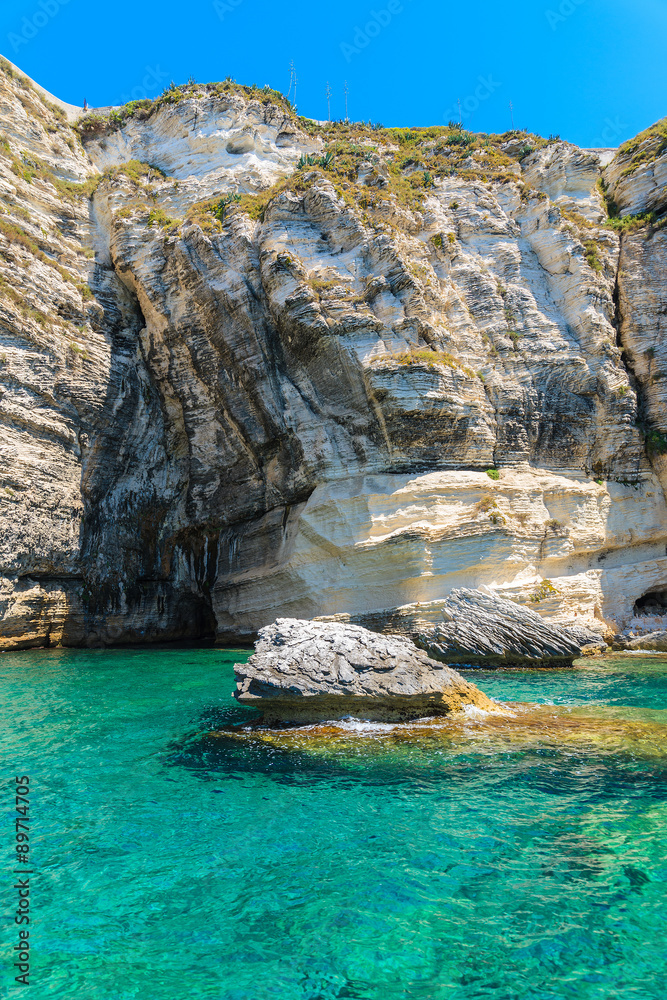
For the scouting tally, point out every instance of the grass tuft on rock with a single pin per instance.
(645, 147)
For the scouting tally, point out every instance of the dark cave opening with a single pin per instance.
(195, 616)
(653, 602)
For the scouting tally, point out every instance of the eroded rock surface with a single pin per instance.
(288, 408)
(313, 671)
(655, 642)
(480, 629)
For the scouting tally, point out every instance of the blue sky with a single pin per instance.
(587, 70)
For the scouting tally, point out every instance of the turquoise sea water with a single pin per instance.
(519, 856)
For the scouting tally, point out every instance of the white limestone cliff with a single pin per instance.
(206, 424)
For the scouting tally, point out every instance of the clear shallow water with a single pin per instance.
(520, 856)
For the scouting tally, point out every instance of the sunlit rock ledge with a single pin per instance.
(384, 551)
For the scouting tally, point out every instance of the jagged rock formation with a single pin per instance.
(214, 412)
(313, 671)
(656, 642)
(481, 629)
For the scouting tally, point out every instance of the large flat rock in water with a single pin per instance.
(483, 630)
(305, 671)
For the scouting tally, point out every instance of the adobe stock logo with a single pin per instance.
(31, 26)
(486, 86)
(565, 9)
(224, 7)
(152, 81)
(609, 137)
(363, 37)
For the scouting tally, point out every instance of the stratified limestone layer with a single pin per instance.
(287, 408)
(314, 671)
(483, 630)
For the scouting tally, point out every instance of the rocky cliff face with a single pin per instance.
(253, 366)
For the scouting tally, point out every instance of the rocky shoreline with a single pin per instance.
(654, 642)
(312, 671)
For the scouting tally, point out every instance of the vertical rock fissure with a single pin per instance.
(644, 420)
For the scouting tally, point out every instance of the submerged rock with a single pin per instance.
(481, 629)
(304, 671)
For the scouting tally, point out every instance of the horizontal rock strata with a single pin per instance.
(483, 630)
(214, 416)
(313, 671)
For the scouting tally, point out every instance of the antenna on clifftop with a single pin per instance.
(292, 75)
(460, 115)
(512, 114)
(347, 117)
(328, 93)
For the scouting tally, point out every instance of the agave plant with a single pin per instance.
(220, 210)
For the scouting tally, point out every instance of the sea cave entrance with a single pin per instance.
(653, 602)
